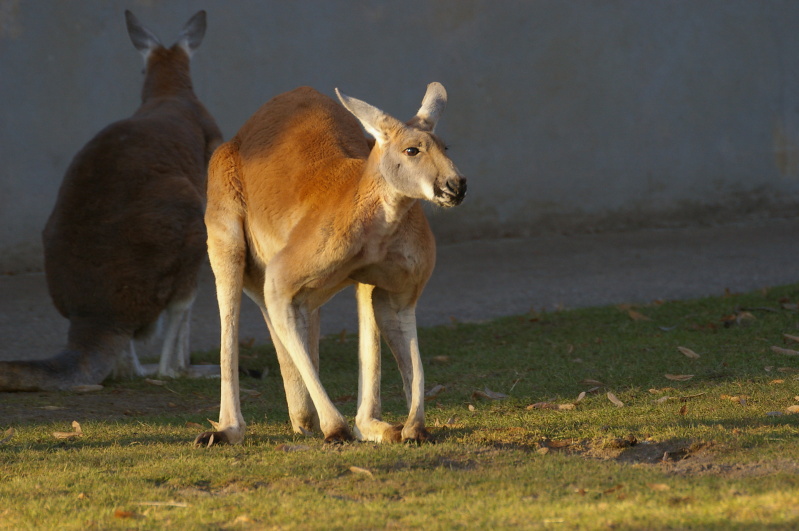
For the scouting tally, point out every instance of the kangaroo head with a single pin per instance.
(166, 69)
(412, 159)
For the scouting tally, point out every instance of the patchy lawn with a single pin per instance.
(672, 415)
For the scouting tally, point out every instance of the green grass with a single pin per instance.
(721, 453)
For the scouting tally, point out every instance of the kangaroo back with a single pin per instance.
(126, 237)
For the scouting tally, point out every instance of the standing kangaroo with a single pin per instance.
(298, 208)
(126, 238)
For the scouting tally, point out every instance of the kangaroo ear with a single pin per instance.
(193, 32)
(376, 122)
(143, 39)
(433, 105)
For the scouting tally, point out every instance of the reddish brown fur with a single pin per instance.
(298, 208)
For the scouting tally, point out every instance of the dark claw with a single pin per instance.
(423, 437)
(210, 438)
(339, 436)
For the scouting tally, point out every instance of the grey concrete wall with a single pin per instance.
(564, 114)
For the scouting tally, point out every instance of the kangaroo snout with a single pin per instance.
(450, 192)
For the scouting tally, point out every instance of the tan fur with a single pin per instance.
(300, 205)
(126, 237)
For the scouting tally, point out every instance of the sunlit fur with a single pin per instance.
(300, 205)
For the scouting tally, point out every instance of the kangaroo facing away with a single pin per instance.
(126, 238)
(298, 208)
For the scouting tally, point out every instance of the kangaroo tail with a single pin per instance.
(72, 367)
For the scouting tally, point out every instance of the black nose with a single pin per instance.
(451, 192)
(456, 187)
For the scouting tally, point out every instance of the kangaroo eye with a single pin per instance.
(411, 151)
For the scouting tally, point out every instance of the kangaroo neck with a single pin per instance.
(387, 204)
(167, 75)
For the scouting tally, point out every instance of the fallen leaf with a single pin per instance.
(154, 382)
(589, 381)
(569, 348)
(440, 359)
(785, 351)
(243, 519)
(689, 397)
(741, 399)
(613, 489)
(637, 316)
(688, 353)
(434, 392)
(659, 487)
(9, 433)
(489, 394)
(359, 470)
(683, 410)
(451, 422)
(661, 391)
(792, 409)
(163, 504)
(616, 402)
(549, 405)
(679, 377)
(195, 426)
(662, 399)
(119, 513)
(580, 398)
(776, 382)
(740, 318)
(252, 393)
(71, 434)
(791, 337)
(288, 448)
(51, 408)
(471, 407)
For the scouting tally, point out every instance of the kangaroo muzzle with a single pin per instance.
(450, 192)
